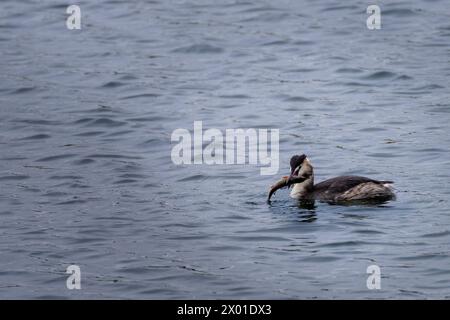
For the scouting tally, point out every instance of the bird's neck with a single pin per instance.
(303, 188)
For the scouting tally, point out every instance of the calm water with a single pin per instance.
(86, 176)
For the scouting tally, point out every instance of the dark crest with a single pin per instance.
(297, 161)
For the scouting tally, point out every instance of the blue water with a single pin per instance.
(86, 176)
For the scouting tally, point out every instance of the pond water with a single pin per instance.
(86, 175)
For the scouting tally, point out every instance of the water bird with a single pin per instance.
(342, 189)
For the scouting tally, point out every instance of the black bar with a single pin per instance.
(224, 309)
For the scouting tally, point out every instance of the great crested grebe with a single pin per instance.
(339, 189)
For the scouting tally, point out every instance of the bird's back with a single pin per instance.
(341, 187)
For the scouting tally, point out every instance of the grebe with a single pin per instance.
(336, 190)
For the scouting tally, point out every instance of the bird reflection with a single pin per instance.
(308, 212)
(307, 204)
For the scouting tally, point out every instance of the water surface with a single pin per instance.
(86, 176)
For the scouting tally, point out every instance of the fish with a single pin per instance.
(278, 185)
